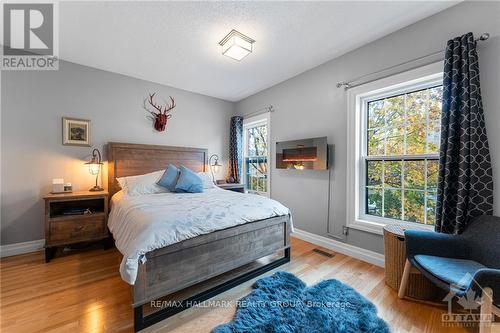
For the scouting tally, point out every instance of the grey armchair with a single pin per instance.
(458, 263)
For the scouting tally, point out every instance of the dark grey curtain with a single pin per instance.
(235, 148)
(465, 188)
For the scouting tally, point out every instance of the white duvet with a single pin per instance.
(143, 223)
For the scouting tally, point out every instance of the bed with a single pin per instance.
(207, 262)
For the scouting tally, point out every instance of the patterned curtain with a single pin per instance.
(465, 188)
(235, 148)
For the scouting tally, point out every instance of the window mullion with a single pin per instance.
(425, 192)
(402, 157)
(405, 123)
(427, 108)
(383, 188)
(405, 151)
(402, 190)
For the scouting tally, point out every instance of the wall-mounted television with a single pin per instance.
(305, 154)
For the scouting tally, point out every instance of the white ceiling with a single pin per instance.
(176, 43)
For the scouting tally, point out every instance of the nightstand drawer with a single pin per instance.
(77, 228)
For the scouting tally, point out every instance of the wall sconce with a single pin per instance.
(95, 165)
(236, 45)
(214, 166)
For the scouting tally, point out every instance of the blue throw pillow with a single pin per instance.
(169, 178)
(189, 181)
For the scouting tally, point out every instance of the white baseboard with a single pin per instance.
(20, 248)
(350, 250)
(371, 257)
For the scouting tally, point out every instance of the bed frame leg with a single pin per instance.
(138, 319)
(288, 253)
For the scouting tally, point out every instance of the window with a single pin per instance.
(256, 154)
(402, 155)
(394, 150)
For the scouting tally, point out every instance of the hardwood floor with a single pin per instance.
(83, 292)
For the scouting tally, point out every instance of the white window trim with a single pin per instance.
(410, 80)
(264, 118)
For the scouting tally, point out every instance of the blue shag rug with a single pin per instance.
(282, 303)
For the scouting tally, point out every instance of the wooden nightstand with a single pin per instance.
(63, 228)
(232, 187)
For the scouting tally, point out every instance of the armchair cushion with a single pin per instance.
(453, 271)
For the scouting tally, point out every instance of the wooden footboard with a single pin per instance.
(172, 268)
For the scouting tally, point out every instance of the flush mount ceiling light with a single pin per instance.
(236, 45)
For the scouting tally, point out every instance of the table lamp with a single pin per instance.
(214, 166)
(94, 168)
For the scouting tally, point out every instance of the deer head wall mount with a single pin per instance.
(161, 114)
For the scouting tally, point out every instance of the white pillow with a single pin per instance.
(142, 184)
(207, 180)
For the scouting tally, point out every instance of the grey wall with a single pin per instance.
(310, 105)
(32, 154)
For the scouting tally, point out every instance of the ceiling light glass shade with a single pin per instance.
(236, 48)
(236, 45)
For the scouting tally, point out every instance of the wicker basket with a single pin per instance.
(395, 256)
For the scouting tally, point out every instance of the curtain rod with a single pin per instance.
(265, 109)
(349, 84)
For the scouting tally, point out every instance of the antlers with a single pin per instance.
(166, 108)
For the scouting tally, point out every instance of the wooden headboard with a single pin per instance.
(128, 159)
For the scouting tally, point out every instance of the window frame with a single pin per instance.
(358, 97)
(258, 120)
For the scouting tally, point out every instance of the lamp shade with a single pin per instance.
(94, 166)
(216, 166)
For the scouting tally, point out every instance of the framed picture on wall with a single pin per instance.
(76, 132)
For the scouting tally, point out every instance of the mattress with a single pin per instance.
(144, 223)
